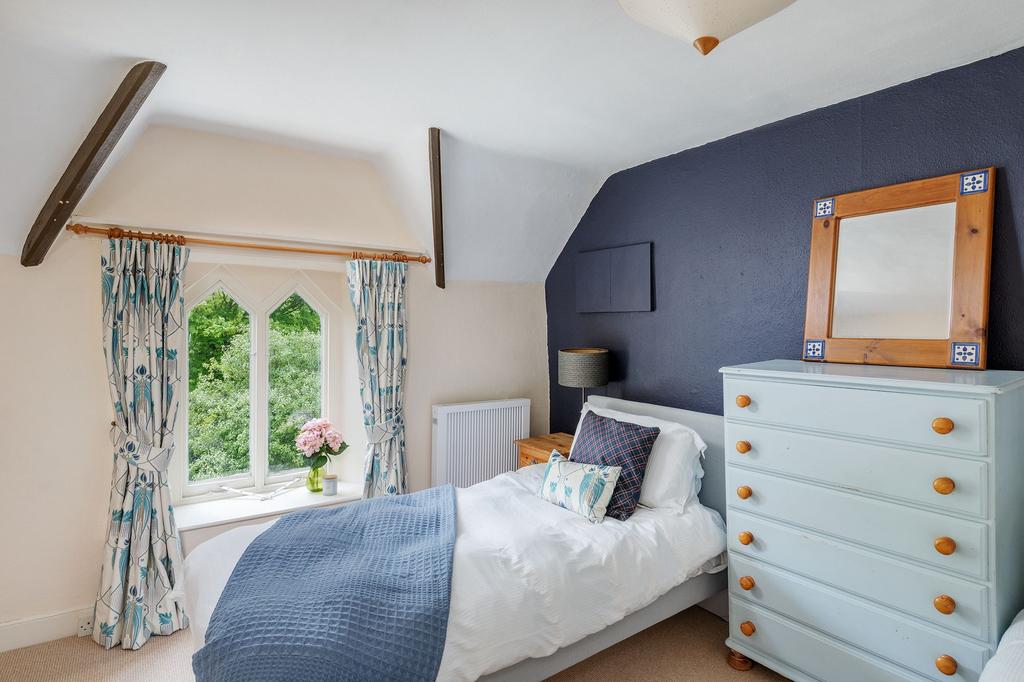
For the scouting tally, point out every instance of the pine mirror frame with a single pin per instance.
(973, 192)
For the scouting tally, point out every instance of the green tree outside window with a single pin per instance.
(219, 410)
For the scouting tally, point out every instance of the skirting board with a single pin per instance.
(705, 588)
(15, 634)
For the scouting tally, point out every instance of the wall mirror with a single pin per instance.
(899, 275)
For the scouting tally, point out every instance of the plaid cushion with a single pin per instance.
(609, 442)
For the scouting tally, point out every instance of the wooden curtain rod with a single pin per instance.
(182, 240)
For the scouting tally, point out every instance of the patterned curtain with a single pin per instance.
(377, 289)
(143, 317)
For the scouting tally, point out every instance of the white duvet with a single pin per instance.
(528, 577)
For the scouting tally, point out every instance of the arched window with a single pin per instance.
(294, 379)
(218, 388)
(257, 373)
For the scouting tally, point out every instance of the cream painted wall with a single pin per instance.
(471, 341)
(55, 459)
(181, 179)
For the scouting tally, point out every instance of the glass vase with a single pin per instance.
(315, 480)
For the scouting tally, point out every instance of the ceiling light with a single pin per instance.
(705, 23)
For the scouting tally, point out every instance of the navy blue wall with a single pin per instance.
(731, 222)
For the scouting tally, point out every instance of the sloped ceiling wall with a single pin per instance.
(557, 94)
(172, 177)
(505, 216)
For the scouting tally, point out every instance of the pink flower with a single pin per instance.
(315, 435)
(308, 442)
(319, 424)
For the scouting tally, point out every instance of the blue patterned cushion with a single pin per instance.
(609, 442)
(582, 488)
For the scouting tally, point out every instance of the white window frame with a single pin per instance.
(259, 476)
(297, 284)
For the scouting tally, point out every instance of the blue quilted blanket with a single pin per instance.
(359, 592)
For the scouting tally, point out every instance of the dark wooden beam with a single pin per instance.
(434, 138)
(89, 158)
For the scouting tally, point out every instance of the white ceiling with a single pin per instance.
(560, 91)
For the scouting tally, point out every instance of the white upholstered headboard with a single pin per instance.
(711, 428)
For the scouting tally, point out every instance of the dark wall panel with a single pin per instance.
(730, 225)
(614, 280)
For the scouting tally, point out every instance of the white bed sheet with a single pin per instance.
(528, 577)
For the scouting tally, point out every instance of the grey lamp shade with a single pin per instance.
(583, 367)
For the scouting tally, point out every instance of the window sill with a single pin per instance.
(192, 516)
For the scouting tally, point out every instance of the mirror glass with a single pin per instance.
(894, 274)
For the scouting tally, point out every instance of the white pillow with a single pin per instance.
(673, 474)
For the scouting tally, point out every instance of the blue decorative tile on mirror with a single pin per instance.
(972, 183)
(824, 208)
(814, 349)
(964, 354)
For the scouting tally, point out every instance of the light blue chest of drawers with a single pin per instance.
(876, 518)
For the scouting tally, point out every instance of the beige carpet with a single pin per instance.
(79, 658)
(688, 647)
(685, 647)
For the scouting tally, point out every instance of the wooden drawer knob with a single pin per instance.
(945, 604)
(747, 628)
(944, 485)
(743, 446)
(946, 664)
(942, 425)
(945, 545)
(747, 583)
(742, 401)
(744, 492)
(746, 537)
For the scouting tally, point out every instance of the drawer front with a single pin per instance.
(904, 418)
(526, 460)
(886, 525)
(876, 630)
(900, 474)
(529, 454)
(811, 652)
(535, 453)
(886, 581)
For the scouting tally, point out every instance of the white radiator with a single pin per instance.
(476, 441)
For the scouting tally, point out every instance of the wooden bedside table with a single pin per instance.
(537, 450)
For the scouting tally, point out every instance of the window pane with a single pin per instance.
(293, 345)
(218, 388)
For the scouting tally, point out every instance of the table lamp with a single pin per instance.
(583, 368)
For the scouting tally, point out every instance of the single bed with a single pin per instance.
(535, 588)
